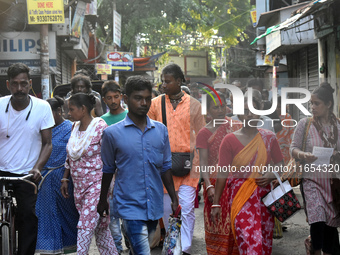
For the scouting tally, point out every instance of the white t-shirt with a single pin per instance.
(20, 151)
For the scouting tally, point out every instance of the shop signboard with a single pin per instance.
(45, 12)
(120, 61)
(25, 47)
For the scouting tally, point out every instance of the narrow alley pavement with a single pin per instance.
(292, 242)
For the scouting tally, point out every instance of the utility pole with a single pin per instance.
(115, 46)
(44, 62)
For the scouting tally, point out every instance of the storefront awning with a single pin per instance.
(306, 10)
(272, 16)
(283, 25)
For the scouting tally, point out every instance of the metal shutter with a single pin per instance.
(66, 68)
(303, 74)
(58, 75)
(313, 67)
(308, 70)
(64, 64)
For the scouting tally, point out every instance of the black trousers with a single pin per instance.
(325, 238)
(26, 221)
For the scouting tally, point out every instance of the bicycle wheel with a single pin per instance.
(13, 237)
(5, 248)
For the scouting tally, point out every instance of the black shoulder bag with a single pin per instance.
(181, 161)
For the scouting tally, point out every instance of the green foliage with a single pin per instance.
(164, 23)
(241, 58)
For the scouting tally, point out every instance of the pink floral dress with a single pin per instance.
(87, 174)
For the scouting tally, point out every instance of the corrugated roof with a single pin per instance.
(267, 16)
(306, 10)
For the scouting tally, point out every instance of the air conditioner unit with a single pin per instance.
(62, 29)
(260, 31)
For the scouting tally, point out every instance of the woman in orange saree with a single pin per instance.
(242, 156)
(218, 239)
(285, 135)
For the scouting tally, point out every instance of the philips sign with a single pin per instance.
(25, 47)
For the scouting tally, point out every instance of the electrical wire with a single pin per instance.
(4, 12)
(101, 52)
(254, 68)
(230, 19)
(25, 26)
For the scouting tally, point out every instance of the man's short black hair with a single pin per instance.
(137, 83)
(110, 85)
(16, 69)
(255, 82)
(80, 77)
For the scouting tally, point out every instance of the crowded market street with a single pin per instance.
(291, 243)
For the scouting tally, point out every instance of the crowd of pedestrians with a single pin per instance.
(109, 171)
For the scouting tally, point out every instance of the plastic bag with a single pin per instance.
(172, 241)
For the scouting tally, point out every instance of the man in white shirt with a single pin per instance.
(25, 136)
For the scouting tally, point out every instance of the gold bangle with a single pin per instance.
(64, 180)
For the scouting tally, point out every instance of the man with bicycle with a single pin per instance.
(25, 136)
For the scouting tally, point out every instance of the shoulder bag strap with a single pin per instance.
(163, 110)
(309, 121)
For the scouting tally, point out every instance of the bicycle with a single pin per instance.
(9, 244)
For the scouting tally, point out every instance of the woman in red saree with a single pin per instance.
(218, 239)
(242, 155)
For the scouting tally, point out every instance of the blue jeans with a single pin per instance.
(139, 233)
(115, 228)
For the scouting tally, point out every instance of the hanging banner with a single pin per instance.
(91, 8)
(117, 23)
(45, 11)
(269, 60)
(78, 19)
(253, 17)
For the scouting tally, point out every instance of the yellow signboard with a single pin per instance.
(103, 69)
(269, 60)
(253, 17)
(45, 11)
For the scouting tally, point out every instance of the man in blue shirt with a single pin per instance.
(112, 96)
(138, 150)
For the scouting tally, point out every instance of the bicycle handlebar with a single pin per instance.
(22, 178)
(10, 178)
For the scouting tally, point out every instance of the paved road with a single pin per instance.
(291, 243)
